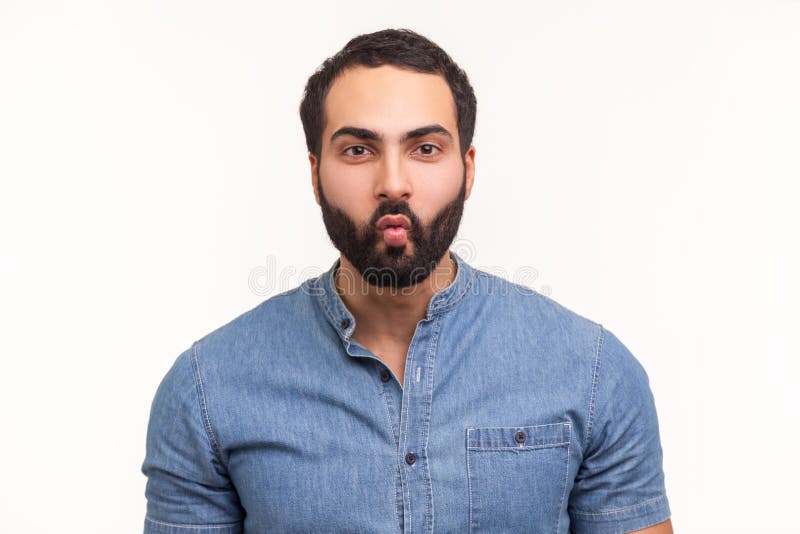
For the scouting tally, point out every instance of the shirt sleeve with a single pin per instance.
(188, 489)
(620, 482)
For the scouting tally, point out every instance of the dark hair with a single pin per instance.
(400, 48)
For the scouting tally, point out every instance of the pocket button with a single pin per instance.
(519, 437)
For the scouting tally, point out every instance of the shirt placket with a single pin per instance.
(415, 412)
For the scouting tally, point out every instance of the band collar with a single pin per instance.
(344, 322)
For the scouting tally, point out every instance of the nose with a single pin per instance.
(392, 181)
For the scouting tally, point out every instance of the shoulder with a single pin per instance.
(258, 324)
(553, 324)
(617, 361)
(281, 306)
(566, 336)
(232, 352)
(622, 401)
(177, 389)
(525, 299)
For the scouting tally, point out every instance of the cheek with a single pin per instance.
(345, 185)
(436, 189)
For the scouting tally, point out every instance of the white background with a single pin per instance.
(642, 157)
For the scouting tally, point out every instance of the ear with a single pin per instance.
(469, 165)
(314, 177)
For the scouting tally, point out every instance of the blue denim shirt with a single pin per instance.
(515, 415)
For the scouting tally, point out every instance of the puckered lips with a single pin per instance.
(394, 228)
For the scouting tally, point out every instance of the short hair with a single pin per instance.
(397, 47)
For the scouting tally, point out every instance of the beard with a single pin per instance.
(392, 267)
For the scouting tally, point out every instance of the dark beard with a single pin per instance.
(392, 268)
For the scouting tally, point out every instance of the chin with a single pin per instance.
(406, 249)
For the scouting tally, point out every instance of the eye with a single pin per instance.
(428, 149)
(356, 151)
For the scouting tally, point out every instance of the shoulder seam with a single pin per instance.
(593, 393)
(201, 397)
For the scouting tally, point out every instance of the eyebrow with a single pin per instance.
(365, 133)
(425, 130)
(360, 133)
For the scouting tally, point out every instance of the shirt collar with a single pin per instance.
(344, 322)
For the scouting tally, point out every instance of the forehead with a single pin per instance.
(388, 99)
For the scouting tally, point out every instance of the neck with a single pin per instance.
(385, 312)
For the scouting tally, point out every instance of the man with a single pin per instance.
(403, 390)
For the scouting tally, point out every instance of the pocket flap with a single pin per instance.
(519, 437)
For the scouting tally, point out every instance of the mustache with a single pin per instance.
(395, 208)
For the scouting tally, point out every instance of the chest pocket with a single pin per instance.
(517, 477)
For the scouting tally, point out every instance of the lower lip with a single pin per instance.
(395, 236)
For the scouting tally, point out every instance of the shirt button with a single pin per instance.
(411, 458)
(519, 437)
(385, 376)
(345, 323)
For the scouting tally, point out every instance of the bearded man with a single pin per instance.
(403, 390)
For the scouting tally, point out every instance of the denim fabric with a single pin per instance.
(516, 415)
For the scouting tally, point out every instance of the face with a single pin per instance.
(391, 181)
